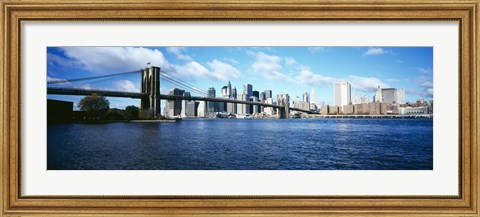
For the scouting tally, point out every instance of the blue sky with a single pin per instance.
(291, 70)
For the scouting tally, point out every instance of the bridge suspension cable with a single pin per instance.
(169, 80)
(168, 77)
(91, 78)
(177, 81)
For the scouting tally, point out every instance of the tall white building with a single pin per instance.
(378, 95)
(401, 96)
(342, 94)
(201, 109)
(313, 97)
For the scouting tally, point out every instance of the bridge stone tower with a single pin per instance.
(283, 100)
(151, 86)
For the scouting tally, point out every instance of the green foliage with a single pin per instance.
(132, 112)
(95, 106)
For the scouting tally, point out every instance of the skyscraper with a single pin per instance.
(229, 90)
(211, 105)
(268, 94)
(234, 92)
(401, 96)
(393, 95)
(248, 90)
(313, 97)
(342, 94)
(183, 112)
(378, 95)
(256, 94)
(224, 92)
(306, 97)
(174, 106)
(389, 95)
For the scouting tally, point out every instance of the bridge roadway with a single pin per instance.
(83, 92)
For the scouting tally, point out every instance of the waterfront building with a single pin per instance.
(333, 110)
(378, 95)
(324, 110)
(390, 95)
(365, 99)
(414, 110)
(183, 112)
(232, 107)
(342, 94)
(174, 106)
(201, 109)
(361, 109)
(301, 105)
(269, 111)
(348, 109)
(211, 105)
(192, 109)
(242, 108)
(401, 96)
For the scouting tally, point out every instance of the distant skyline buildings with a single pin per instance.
(289, 70)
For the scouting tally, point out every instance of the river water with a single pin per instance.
(244, 144)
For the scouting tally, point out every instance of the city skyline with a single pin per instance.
(290, 70)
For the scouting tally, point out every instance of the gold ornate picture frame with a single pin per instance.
(14, 13)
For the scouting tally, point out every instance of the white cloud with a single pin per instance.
(289, 61)
(178, 51)
(125, 85)
(375, 51)
(366, 84)
(423, 81)
(108, 60)
(426, 85)
(219, 71)
(269, 66)
(223, 70)
(306, 76)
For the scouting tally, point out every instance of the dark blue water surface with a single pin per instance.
(244, 144)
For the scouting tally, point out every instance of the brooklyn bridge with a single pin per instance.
(150, 95)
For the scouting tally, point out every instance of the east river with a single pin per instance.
(244, 144)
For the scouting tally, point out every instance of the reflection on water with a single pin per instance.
(244, 144)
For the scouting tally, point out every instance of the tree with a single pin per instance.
(131, 112)
(95, 106)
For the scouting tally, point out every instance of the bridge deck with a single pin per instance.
(82, 92)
